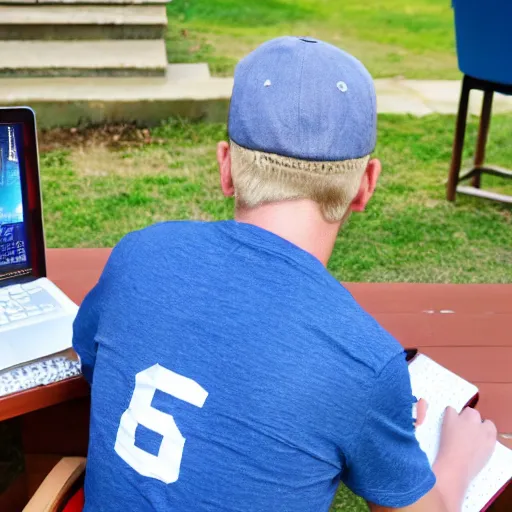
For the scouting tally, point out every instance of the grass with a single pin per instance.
(346, 501)
(106, 184)
(392, 37)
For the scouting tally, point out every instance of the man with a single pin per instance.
(229, 370)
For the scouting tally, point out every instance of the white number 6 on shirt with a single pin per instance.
(166, 465)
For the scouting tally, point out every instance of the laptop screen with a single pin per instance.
(14, 246)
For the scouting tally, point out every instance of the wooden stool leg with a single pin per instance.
(458, 143)
(483, 131)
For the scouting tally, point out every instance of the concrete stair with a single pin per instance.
(84, 2)
(93, 22)
(187, 91)
(72, 38)
(87, 2)
(82, 58)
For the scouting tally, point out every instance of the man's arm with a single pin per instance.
(87, 321)
(466, 445)
(385, 464)
(85, 328)
(432, 501)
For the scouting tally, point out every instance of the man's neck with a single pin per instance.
(300, 222)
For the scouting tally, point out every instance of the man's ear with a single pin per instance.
(224, 160)
(367, 186)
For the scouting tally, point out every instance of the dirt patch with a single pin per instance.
(100, 160)
(110, 136)
(128, 150)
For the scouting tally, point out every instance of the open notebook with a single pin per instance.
(442, 388)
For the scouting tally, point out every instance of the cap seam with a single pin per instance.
(250, 65)
(294, 159)
(299, 103)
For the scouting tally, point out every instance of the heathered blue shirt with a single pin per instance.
(231, 372)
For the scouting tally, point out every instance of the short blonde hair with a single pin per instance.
(264, 177)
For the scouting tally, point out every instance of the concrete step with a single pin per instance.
(46, 22)
(187, 91)
(100, 2)
(84, 2)
(82, 58)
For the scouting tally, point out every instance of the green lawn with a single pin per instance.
(392, 37)
(107, 184)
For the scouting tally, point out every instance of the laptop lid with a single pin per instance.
(21, 222)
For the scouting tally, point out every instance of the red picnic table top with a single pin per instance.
(466, 328)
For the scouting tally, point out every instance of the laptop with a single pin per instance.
(36, 317)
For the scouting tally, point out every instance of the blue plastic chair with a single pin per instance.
(484, 49)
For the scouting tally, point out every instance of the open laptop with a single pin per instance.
(36, 317)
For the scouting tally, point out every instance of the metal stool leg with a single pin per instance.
(483, 131)
(458, 143)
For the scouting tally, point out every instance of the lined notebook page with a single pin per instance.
(490, 480)
(442, 388)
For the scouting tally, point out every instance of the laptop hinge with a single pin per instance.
(16, 274)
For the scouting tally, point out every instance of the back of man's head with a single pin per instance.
(302, 125)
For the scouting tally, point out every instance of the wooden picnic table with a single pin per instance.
(466, 328)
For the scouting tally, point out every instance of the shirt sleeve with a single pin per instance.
(85, 326)
(386, 465)
(84, 330)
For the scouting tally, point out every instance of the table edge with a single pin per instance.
(33, 399)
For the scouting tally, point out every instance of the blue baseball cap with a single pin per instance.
(305, 99)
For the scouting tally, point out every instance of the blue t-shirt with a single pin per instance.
(232, 373)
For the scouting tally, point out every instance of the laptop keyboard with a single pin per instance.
(19, 302)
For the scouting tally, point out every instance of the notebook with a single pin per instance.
(442, 388)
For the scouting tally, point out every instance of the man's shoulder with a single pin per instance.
(356, 328)
(169, 227)
(167, 233)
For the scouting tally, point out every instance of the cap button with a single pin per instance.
(308, 40)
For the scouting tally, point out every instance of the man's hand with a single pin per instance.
(421, 412)
(467, 444)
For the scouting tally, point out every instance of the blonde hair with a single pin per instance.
(264, 177)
